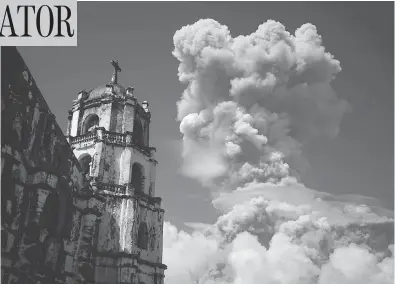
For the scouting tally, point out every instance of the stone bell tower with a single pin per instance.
(122, 224)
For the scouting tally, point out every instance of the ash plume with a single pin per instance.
(250, 104)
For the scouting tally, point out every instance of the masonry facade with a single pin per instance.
(80, 207)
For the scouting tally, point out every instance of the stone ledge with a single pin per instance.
(134, 256)
(125, 191)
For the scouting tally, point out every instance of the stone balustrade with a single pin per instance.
(115, 138)
(121, 139)
(127, 189)
(117, 188)
(90, 136)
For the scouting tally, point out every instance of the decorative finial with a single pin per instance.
(114, 79)
(145, 106)
(82, 94)
(129, 91)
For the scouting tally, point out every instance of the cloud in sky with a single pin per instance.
(249, 105)
(263, 241)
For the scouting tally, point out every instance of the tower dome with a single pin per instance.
(103, 91)
(113, 108)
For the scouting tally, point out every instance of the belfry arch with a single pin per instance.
(142, 238)
(138, 133)
(91, 121)
(138, 177)
(85, 163)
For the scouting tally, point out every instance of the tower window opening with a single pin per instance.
(91, 122)
(138, 177)
(138, 133)
(142, 241)
(85, 163)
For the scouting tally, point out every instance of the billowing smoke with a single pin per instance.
(250, 104)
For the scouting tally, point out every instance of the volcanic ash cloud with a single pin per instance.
(249, 105)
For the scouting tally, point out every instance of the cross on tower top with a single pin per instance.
(114, 79)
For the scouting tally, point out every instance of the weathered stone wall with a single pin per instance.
(40, 175)
(153, 217)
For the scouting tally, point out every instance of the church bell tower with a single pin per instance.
(108, 130)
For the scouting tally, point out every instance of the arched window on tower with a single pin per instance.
(90, 123)
(85, 162)
(138, 177)
(138, 133)
(142, 241)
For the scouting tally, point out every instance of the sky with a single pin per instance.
(140, 36)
